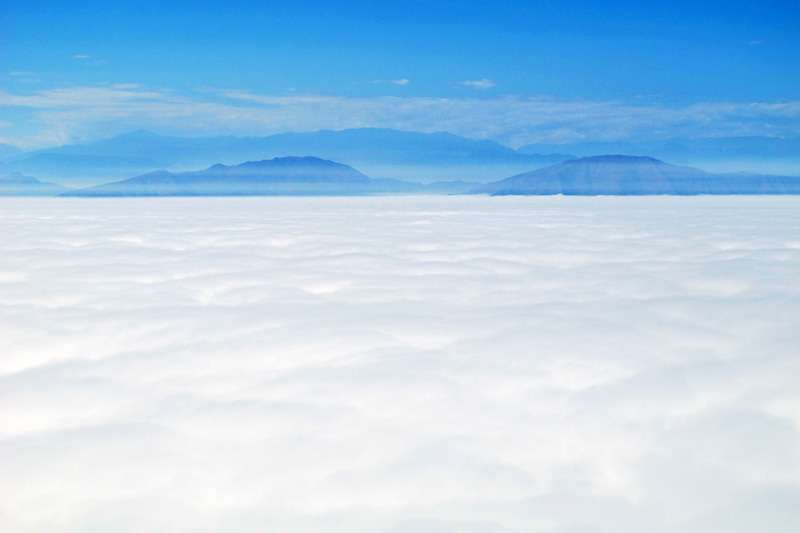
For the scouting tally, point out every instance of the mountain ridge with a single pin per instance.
(295, 176)
(725, 154)
(624, 175)
(381, 152)
(17, 184)
(8, 151)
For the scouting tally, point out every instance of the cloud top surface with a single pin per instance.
(396, 364)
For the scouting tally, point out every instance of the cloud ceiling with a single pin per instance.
(400, 364)
(75, 113)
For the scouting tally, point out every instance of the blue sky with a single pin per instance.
(72, 71)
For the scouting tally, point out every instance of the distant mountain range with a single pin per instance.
(285, 176)
(384, 153)
(7, 151)
(17, 184)
(758, 154)
(302, 164)
(381, 153)
(631, 175)
(312, 176)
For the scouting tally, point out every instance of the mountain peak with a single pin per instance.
(138, 134)
(18, 177)
(633, 175)
(279, 176)
(615, 159)
(281, 162)
(18, 184)
(277, 162)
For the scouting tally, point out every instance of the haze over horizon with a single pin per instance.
(553, 72)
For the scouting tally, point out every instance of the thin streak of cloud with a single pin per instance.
(403, 81)
(24, 76)
(481, 85)
(78, 112)
(85, 58)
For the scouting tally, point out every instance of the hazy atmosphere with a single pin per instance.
(526, 72)
(400, 266)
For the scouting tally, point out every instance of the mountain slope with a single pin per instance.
(722, 153)
(680, 147)
(380, 152)
(296, 176)
(17, 184)
(7, 151)
(629, 175)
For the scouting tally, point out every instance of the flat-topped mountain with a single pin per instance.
(17, 184)
(632, 175)
(296, 176)
(757, 154)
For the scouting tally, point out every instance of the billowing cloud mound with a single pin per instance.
(400, 364)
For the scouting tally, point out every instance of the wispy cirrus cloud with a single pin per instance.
(403, 81)
(482, 84)
(82, 112)
(25, 76)
(87, 59)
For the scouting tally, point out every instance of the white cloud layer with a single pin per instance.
(447, 364)
(79, 113)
